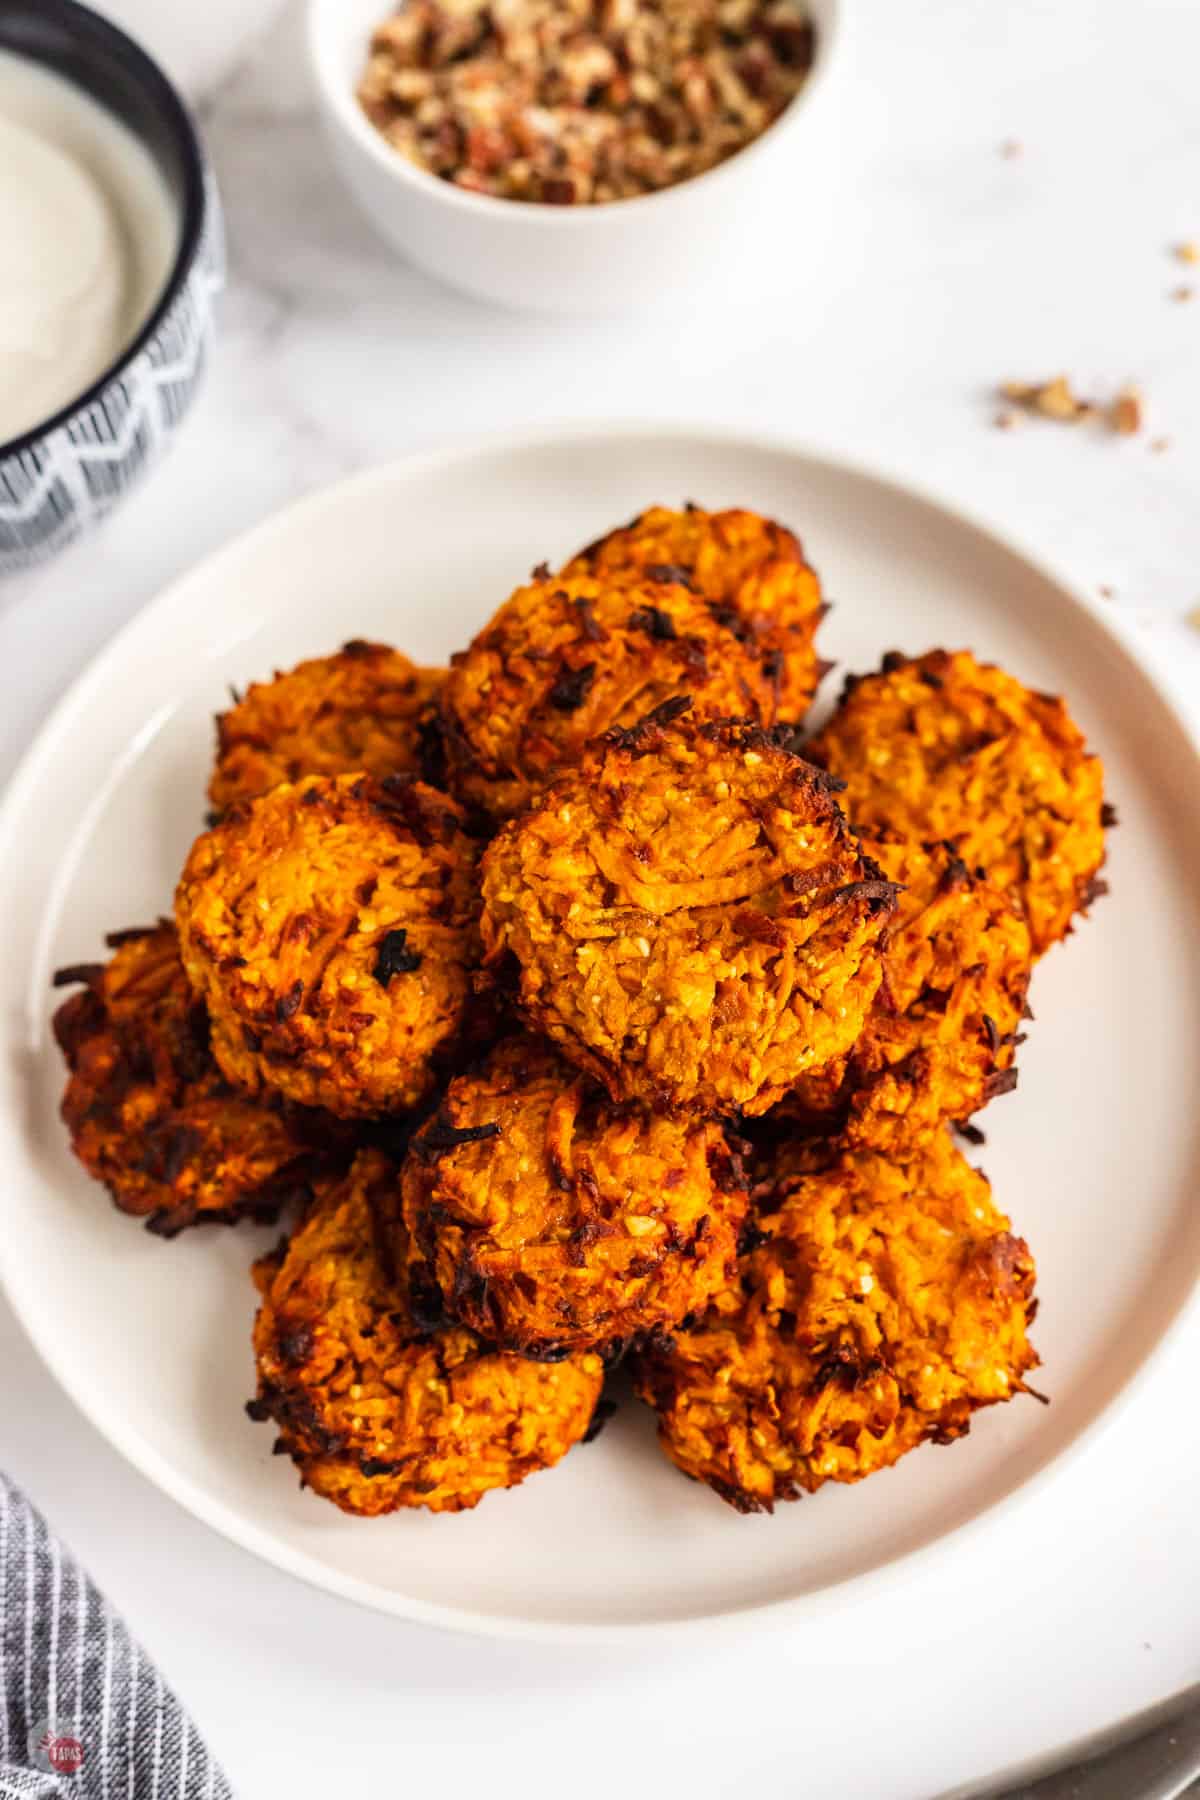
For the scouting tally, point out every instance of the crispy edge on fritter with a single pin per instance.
(750, 570)
(379, 1406)
(943, 748)
(565, 659)
(940, 1039)
(332, 928)
(550, 1220)
(150, 1114)
(882, 1305)
(367, 707)
(692, 921)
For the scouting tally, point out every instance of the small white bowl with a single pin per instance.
(563, 259)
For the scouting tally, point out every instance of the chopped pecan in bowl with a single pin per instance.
(576, 101)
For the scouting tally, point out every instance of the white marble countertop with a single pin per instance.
(951, 266)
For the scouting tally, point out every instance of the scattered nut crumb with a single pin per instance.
(1106, 592)
(1159, 444)
(1193, 618)
(1056, 400)
(1052, 399)
(1005, 420)
(1125, 414)
(1011, 147)
(1183, 292)
(1188, 252)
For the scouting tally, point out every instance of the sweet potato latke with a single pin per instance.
(367, 708)
(377, 1410)
(331, 927)
(940, 1039)
(552, 1221)
(693, 923)
(149, 1112)
(751, 572)
(943, 748)
(665, 1072)
(885, 1303)
(566, 658)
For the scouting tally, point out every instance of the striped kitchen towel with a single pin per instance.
(83, 1714)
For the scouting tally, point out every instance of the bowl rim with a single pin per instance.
(341, 103)
(92, 28)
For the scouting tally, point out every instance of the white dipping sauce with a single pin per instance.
(88, 236)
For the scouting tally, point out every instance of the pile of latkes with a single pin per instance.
(578, 1009)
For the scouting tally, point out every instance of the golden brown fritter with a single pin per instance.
(550, 1220)
(692, 921)
(940, 1039)
(331, 927)
(886, 1302)
(149, 1112)
(751, 571)
(565, 659)
(366, 708)
(378, 1409)
(941, 748)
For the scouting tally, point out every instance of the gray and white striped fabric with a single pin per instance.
(83, 1714)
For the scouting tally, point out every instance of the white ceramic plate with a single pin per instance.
(1095, 1156)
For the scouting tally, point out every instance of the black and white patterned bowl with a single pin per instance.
(67, 473)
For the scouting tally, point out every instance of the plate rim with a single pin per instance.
(135, 1449)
